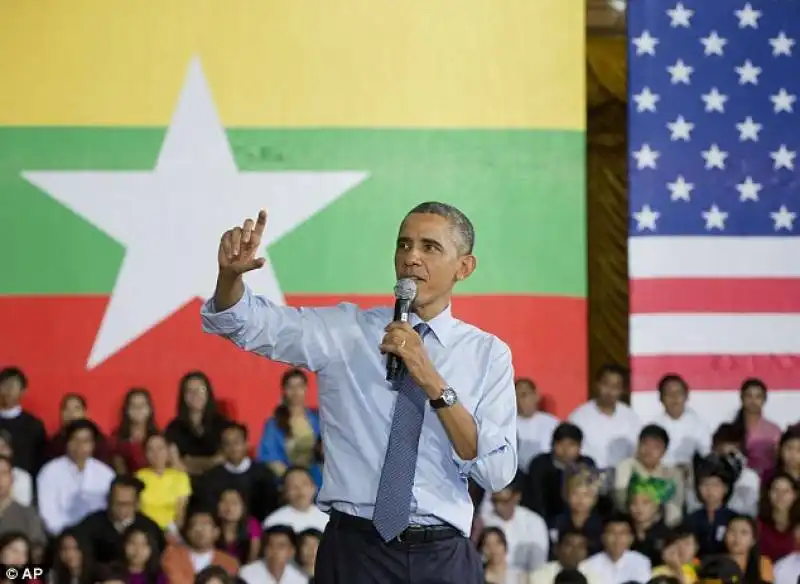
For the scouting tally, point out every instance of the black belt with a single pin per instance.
(412, 534)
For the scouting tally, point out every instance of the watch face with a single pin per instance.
(449, 396)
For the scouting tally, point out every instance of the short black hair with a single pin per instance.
(570, 577)
(278, 530)
(614, 369)
(672, 378)
(567, 431)
(654, 431)
(241, 428)
(291, 374)
(727, 433)
(14, 373)
(127, 481)
(462, 226)
(570, 532)
(618, 518)
(78, 425)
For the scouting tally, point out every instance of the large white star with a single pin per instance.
(170, 219)
(645, 157)
(714, 100)
(646, 219)
(747, 16)
(680, 129)
(781, 45)
(715, 219)
(783, 218)
(680, 190)
(680, 16)
(680, 72)
(748, 73)
(748, 190)
(713, 44)
(646, 100)
(714, 157)
(748, 130)
(645, 44)
(783, 158)
(782, 101)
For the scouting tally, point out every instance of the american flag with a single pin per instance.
(714, 228)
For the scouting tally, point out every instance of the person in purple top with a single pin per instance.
(141, 563)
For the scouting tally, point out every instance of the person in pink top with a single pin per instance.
(760, 435)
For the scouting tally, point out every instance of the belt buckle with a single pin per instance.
(400, 537)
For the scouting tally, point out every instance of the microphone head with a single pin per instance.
(405, 289)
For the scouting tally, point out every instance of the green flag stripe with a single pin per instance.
(524, 190)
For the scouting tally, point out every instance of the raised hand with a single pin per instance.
(238, 249)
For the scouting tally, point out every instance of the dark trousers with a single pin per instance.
(352, 552)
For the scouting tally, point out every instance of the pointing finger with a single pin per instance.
(247, 228)
(261, 222)
(226, 244)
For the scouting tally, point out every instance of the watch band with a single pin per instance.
(447, 399)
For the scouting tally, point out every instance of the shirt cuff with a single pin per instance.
(226, 321)
(491, 441)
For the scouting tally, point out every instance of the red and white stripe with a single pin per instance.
(716, 310)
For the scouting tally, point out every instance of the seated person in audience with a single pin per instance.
(180, 562)
(166, 490)
(197, 429)
(720, 570)
(609, 426)
(744, 495)
(15, 551)
(307, 546)
(75, 485)
(73, 407)
(254, 480)
(687, 432)
(534, 427)
(103, 530)
(617, 564)
(300, 512)
(789, 453)
(741, 545)
(25, 429)
(17, 518)
(216, 575)
(275, 565)
(778, 515)
(141, 558)
(653, 443)
(137, 422)
(760, 435)
(678, 556)
(239, 533)
(290, 436)
(497, 569)
(570, 553)
(714, 475)
(582, 486)
(525, 532)
(73, 561)
(646, 498)
(787, 570)
(543, 487)
(23, 484)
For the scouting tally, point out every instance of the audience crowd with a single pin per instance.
(603, 498)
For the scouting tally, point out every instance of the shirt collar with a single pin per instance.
(11, 413)
(442, 325)
(240, 468)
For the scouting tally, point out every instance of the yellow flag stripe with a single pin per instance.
(296, 63)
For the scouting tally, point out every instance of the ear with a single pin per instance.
(467, 265)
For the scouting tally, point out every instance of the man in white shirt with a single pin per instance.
(688, 433)
(534, 427)
(787, 569)
(300, 513)
(280, 545)
(72, 486)
(610, 427)
(570, 552)
(746, 490)
(617, 564)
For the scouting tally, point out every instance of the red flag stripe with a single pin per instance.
(717, 372)
(719, 295)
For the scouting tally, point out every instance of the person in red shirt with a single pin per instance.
(136, 424)
(778, 515)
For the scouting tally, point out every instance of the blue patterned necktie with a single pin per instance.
(393, 503)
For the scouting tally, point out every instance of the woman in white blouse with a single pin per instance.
(494, 548)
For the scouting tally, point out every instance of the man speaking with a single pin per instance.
(397, 453)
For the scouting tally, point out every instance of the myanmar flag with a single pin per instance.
(133, 134)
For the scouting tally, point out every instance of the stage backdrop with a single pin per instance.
(133, 135)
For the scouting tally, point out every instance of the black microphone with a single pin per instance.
(404, 293)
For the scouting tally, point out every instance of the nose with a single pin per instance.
(412, 257)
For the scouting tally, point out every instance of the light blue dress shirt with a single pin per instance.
(340, 344)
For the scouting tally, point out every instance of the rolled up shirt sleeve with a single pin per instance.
(302, 337)
(496, 418)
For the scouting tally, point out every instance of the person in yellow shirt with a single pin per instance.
(679, 556)
(166, 490)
